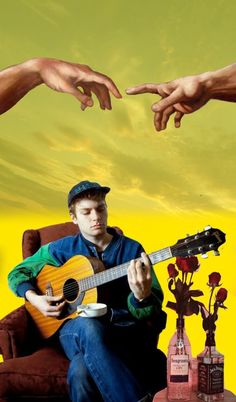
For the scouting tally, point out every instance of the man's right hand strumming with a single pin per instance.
(49, 306)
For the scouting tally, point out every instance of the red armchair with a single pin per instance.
(33, 370)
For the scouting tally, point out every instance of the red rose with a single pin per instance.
(188, 264)
(221, 295)
(172, 271)
(214, 279)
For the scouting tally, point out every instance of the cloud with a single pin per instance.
(26, 194)
(82, 172)
(64, 138)
(48, 11)
(174, 171)
(185, 177)
(20, 157)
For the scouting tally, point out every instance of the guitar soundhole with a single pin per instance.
(71, 290)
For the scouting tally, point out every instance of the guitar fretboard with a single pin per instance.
(111, 274)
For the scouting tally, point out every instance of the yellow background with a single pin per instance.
(164, 185)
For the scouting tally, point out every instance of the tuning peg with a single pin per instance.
(216, 253)
(208, 227)
(204, 255)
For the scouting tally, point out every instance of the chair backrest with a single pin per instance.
(33, 239)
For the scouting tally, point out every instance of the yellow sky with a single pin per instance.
(163, 185)
(46, 142)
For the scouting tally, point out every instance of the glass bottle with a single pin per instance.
(210, 371)
(178, 364)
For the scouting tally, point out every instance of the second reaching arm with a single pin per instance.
(187, 94)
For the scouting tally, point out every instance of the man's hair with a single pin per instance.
(92, 194)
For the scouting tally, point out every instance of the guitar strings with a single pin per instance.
(93, 281)
(107, 275)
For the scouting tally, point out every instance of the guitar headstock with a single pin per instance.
(209, 239)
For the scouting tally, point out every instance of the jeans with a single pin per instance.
(109, 361)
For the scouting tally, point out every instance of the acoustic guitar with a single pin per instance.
(78, 280)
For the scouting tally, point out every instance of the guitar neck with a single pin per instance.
(119, 271)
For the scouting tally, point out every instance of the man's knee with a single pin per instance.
(88, 329)
(81, 335)
(92, 329)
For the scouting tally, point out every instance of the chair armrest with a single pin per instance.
(18, 336)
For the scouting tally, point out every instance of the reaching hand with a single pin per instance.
(181, 96)
(67, 77)
(139, 277)
(76, 79)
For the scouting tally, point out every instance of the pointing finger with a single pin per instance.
(142, 89)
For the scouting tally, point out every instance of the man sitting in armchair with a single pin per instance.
(113, 357)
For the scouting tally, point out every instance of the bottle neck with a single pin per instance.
(180, 323)
(210, 339)
(180, 348)
(180, 326)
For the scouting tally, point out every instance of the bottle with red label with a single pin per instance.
(179, 376)
(210, 371)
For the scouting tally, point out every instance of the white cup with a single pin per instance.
(92, 310)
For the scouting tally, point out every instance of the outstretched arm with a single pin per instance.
(78, 80)
(188, 94)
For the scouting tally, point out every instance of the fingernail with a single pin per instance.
(128, 90)
(89, 102)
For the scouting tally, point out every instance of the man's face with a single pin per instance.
(91, 217)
